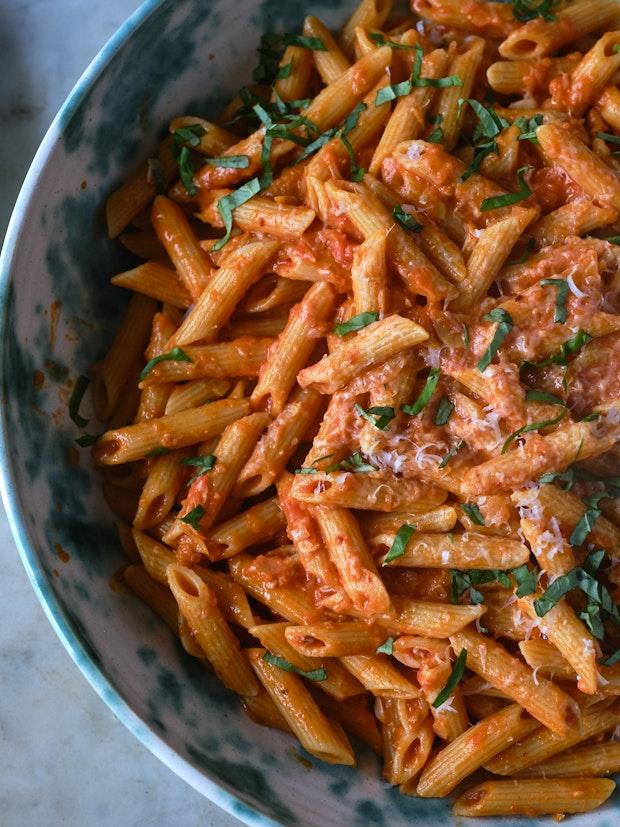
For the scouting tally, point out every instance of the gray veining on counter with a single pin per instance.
(65, 759)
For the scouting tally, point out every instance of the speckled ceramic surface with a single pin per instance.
(58, 315)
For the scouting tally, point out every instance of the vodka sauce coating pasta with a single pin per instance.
(363, 411)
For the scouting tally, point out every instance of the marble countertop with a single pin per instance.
(66, 760)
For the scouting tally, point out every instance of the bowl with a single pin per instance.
(59, 313)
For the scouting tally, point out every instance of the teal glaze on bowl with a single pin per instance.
(171, 57)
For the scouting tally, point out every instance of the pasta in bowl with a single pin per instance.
(363, 407)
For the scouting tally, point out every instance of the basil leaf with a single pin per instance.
(186, 170)
(444, 411)
(586, 523)
(204, 463)
(504, 327)
(379, 416)
(569, 347)
(452, 453)
(357, 172)
(425, 396)
(306, 471)
(606, 136)
(397, 549)
(182, 138)
(534, 395)
(228, 203)
(436, 136)
(436, 83)
(158, 452)
(561, 285)
(87, 439)
(473, 512)
(229, 161)
(524, 10)
(271, 45)
(356, 323)
(464, 580)
(315, 44)
(526, 252)
(490, 123)
(609, 661)
(533, 426)
(77, 394)
(406, 220)
(349, 123)
(526, 580)
(482, 151)
(354, 462)
(194, 517)
(380, 40)
(174, 355)
(497, 201)
(466, 339)
(452, 682)
(284, 71)
(386, 648)
(593, 621)
(314, 675)
(189, 135)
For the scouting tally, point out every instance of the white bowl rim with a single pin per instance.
(203, 783)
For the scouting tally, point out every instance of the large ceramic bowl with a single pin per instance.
(58, 316)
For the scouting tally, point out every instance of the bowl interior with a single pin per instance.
(60, 313)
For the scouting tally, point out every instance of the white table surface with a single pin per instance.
(65, 759)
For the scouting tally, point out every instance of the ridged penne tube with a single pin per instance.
(354, 716)
(543, 700)
(444, 253)
(270, 292)
(407, 118)
(376, 343)
(482, 706)
(268, 325)
(543, 744)
(163, 483)
(194, 393)
(297, 84)
(544, 657)
(574, 219)
(460, 551)
(261, 215)
(330, 63)
(369, 276)
(534, 797)
(488, 256)
(585, 762)
(223, 293)
(377, 674)
(569, 509)
(366, 491)
(145, 244)
(369, 14)
(477, 685)
(529, 461)
(568, 151)
(215, 139)
(464, 66)
(328, 108)
(471, 750)
(158, 282)
(231, 598)
(125, 203)
(153, 400)
(487, 19)
(407, 738)
(338, 683)
(539, 38)
(155, 557)
(575, 91)
(157, 597)
(335, 639)
(513, 77)
(240, 357)
(563, 629)
(198, 605)
(291, 603)
(609, 106)
(441, 519)
(262, 710)
(353, 561)
(251, 527)
(299, 710)
(211, 490)
(174, 431)
(116, 368)
(181, 244)
(421, 617)
(278, 443)
(292, 349)
(369, 216)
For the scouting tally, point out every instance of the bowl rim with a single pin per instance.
(202, 782)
